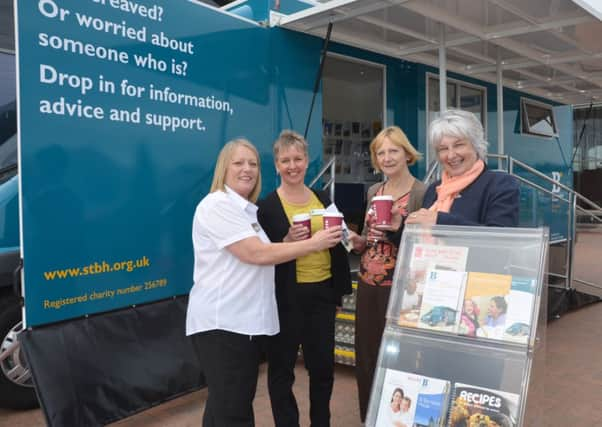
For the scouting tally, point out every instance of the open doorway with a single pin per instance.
(353, 113)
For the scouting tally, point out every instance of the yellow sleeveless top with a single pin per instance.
(314, 267)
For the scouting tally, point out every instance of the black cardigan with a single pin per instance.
(275, 223)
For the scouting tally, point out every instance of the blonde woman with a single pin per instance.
(391, 153)
(232, 304)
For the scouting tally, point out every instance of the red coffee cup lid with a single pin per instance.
(333, 214)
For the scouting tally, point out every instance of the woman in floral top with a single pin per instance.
(391, 153)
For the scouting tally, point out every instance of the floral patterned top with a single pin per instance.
(377, 264)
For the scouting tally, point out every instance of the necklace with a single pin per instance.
(398, 193)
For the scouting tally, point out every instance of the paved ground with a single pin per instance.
(571, 381)
(572, 386)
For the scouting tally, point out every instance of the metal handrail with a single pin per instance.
(432, 171)
(540, 188)
(511, 162)
(570, 199)
(591, 214)
(553, 182)
(501, 158)
(330, 164)
(510, 169)
(556, 183)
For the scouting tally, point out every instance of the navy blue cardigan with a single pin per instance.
(275, 223)
(491, 200)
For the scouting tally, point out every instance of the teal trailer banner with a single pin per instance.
(123, 107)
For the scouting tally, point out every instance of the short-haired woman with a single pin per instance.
(468, 193)
(232, 305)
(391, 154)
(308, 289)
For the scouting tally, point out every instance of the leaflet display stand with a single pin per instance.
(464, 341)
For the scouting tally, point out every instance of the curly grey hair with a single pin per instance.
(459, 124)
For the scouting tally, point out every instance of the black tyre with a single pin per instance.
(16, 385)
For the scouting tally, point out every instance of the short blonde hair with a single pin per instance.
(223, 160)
(397, 137)
(289, 138)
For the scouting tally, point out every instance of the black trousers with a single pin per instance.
(230, 363)
(309, 323)
(370, 311)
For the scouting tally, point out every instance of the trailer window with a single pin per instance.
(537, 118)
(460, 95)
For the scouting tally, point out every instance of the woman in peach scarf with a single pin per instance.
(468, 193)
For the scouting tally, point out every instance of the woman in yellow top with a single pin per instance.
(308, 289)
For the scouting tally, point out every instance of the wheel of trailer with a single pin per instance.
(16, 385)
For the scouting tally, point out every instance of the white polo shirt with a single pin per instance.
(229, 294)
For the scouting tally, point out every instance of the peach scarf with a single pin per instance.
(451, 186)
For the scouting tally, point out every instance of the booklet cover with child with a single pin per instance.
(411, 400)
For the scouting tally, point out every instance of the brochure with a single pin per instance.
(498, 306)
(520, 309)
(427, 257)
(484, 305)
(442, 300)
(483, 407)
(409, 400)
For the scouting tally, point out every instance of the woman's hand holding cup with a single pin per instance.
(327, 238)
(387, 216)
(376, 233)
(357, 241)
(395, 222)
(301, 228)
(297, 232)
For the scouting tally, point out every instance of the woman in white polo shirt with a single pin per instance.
(232, 304)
